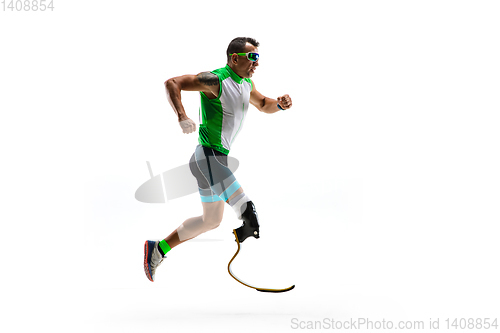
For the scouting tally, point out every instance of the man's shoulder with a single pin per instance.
(208, 78)
(222, 73)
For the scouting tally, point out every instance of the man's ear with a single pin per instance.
(234, 59)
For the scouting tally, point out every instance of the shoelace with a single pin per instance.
(156, 264)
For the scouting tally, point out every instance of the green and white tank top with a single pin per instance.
(221, 118)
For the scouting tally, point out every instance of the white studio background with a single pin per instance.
(377, 192)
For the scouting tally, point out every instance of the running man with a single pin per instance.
(226, 94)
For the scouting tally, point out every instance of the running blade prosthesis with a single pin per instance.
(246, 284)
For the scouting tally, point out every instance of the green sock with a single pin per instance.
(163, 247)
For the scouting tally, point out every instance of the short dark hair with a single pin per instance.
(237, 45)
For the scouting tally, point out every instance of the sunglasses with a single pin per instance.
(252, 56)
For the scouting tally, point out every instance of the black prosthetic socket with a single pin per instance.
(250, 226)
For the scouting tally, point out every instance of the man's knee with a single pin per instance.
(212, 222)
(212, 214)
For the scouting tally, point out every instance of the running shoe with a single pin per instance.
(152, 259)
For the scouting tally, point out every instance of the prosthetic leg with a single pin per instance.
(250, 227)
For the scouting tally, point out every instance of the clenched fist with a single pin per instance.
(188, 126)
(285, 102)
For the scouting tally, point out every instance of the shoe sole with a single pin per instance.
(146, 263)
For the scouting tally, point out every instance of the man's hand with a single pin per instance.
(188, 126)
(285, 102)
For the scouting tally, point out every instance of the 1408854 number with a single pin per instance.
(28, 5)
(471, 323)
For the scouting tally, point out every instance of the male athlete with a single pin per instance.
(225, 96)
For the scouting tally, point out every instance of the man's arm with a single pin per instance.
(269, 105)
(206, 82)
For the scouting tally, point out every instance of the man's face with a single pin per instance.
(246, 68)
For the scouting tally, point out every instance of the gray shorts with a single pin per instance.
(216, 181)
